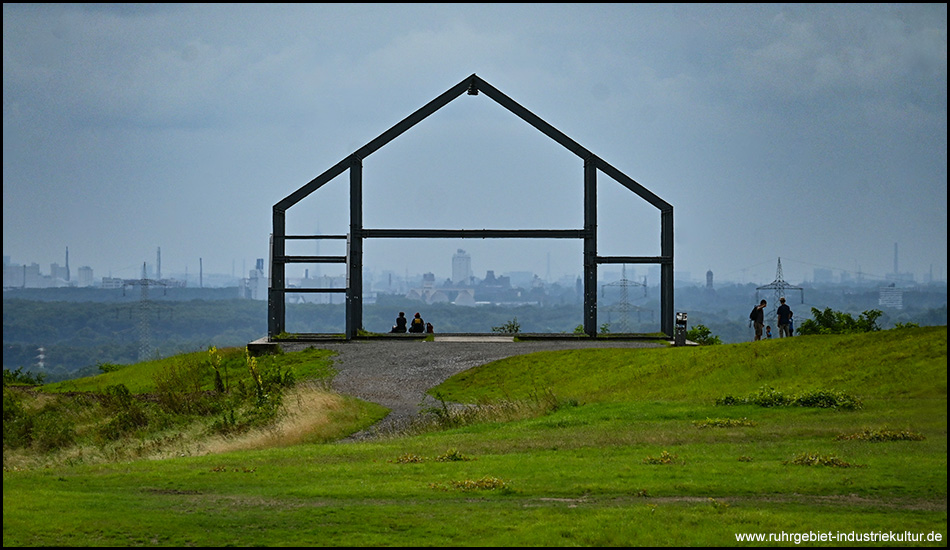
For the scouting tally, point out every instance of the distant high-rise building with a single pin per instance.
(461, 267)
(891, 297)
(85, 276)
(254, 287)
(709, 280)
(57, 271)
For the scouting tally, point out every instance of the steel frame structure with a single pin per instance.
(354, 257)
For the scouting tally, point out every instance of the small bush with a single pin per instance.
(511, 327)
(882, 434)
(409, 458)
(17, 423)
(109, 367)
(836, 322)
(723, 423)
(702, 336)
(50, 430)
(487, 483)
(828, 399)
(18, 377)
(816, 459)
(452, 455)
(767, 396)
(664, 458)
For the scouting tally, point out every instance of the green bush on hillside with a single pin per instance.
(768, 396)
(836, 322)
(702, 336)
(19, 377)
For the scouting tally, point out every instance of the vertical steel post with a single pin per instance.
(666, 272)
(590, 247)
(354, 265)
(275, 292)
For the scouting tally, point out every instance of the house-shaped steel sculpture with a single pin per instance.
(354, 255)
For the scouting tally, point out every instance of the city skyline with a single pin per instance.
(812, 132)
(801, 272)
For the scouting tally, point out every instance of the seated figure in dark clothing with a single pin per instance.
(418, 325)
(401, 322)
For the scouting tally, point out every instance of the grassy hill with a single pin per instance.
(830, 439)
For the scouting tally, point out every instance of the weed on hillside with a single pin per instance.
(225, 393)
(768, 396)
(882, 434)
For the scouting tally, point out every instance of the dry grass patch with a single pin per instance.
(308, 417)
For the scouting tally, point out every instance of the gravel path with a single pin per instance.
(396, 374)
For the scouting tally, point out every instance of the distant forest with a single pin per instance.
(80, 329)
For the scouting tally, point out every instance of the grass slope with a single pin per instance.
(635, 453)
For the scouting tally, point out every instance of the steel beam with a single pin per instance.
(276, 310)
(354, 266)
(666, 273)
(474, 233)
(590, 248)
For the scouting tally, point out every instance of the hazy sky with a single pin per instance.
(814, 133)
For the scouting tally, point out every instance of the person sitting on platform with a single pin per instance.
(401, 322)
(417, 325)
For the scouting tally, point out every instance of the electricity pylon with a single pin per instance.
(779, 286)
(145, 305)
(623, 306)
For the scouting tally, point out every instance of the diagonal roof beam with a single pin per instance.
(632, 185)
(377, 143)
(530, 118)
(568, 143)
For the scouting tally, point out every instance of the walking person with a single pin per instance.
(757, 316)
(784, 319)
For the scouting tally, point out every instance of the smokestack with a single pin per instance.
(67, 264)
(158, 264)
(201, 274)
(895, 259)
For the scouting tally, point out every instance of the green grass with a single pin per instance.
(580, 475)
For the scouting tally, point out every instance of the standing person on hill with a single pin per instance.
(758, 319)
(417, 324)
(784, 318)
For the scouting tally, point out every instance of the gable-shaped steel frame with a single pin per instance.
(354, 258)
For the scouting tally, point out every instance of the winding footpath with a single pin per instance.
(396, 373)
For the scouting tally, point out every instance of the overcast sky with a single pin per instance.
(814, 133)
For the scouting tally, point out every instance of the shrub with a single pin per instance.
(702, 336)
(882, 434)
(664, 458)
(770, 397)
(21, 378)
(511, 327)
(17, 424)
(836, 322)
(487, 483)
(723, 423)
(816, 459)
(827, 399)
